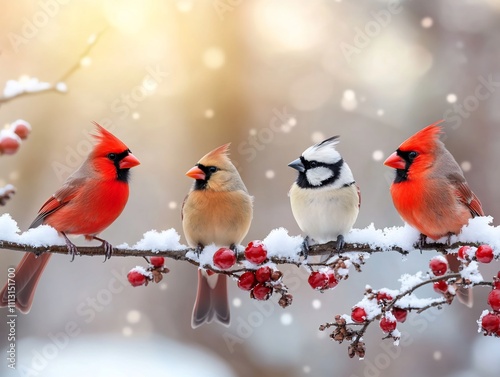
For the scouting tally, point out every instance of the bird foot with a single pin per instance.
(72, 249)
(305, 247)
(198, 250)
(108, 248)
(422, 241)
(340, 242)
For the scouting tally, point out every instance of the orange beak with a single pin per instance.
(395, 161)
(129, 162)
(196, 173)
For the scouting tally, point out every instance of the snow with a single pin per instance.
(61, 87)
(385, 239)
(471, 272)
(281, 245)
(371, 307)
(480, 321)
(158, 241)
(29, 85)
(9, 132)
(42, 236)
(142, 271)
(8, 188)
(409, 281)
(480, 229)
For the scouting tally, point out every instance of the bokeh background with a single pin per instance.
(176, 78)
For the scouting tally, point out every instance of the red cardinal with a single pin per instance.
(218, 210)
(430, 191)
(87, 203)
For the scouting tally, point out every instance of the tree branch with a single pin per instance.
(56, 86)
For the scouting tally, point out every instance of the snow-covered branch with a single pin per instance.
(31, 85)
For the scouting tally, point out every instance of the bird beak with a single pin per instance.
(196, 173)
(129, 162)
(395, 161)
(297, 165)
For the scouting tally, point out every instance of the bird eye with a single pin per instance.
(111, 156)
(412, 155)
(212, 169)
(313, 164)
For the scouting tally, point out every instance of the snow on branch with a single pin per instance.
(255, 269)
(31, 85)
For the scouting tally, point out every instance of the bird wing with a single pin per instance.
(465, 194)
(359, 196)
(62, 197)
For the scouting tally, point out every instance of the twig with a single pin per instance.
(54, 87)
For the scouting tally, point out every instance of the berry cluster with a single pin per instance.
(154, 272)
(328, 277)
(490, 320)
(483, 254)
(10, 138)
(264, 280)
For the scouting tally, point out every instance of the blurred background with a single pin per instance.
(174, 79)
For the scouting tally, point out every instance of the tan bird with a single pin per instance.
(218, 210)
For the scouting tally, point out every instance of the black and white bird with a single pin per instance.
(325, 199)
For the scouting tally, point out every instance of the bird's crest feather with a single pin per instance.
(217, 156)
(324, 151)
(425, 139)
(106, 141)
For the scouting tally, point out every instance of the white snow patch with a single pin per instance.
(279, 244)
(479, 229)
(471, 272)
(396, 334)
(142, 271)
(386, 239)
(30, 85)
(44, 235)
(370, 306)
(8, 188)
(160, 241)
(480, 321)
(409, 281)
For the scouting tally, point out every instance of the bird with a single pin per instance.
(217, 210)
(325, 199)
(87, 203)
(430, 191)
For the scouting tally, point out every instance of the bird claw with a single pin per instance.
(72, 249)
(108, 248)
(198, 250)
(340, 242)
(422, 241)
(305, 247)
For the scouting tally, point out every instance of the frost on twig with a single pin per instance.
(31, 85)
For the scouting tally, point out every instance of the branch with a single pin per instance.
(58, 86)
(326, 249)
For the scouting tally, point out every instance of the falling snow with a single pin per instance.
(451, 98)
(25, 84)
(349, 101)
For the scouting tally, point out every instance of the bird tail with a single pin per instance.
(28, 274)
(464, 295)
(211, 300)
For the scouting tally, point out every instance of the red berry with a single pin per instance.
(494, 299)
(438, 266)
(256, 252)
(387, 325)
(224, 258)
(9, 144)
(157, 261)
(332, 280)
(358, 314)
(490, 323)
(318, 280)
(441, 286)
(463, 252)
(400, 314)
(136, 278)
(247, 280)
(382, 296)
(261, 292)
(484, 254)
(263, 274)
(21, 128)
